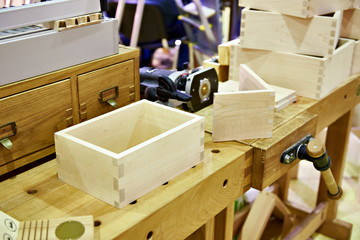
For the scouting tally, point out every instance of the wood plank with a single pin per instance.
(224, 223)
(336, 229)
(308, 226)
(55, 199)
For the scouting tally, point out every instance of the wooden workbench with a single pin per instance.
(199, 201)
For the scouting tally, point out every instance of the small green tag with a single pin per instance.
(358, 91)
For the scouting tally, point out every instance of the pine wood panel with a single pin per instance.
(38, 114)
(277, 32)
(350, 25)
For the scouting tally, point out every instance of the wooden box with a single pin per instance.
(309, 76)
(273, 31)
(299, 8)
(120, 156)
(244, 112)
(350, 28)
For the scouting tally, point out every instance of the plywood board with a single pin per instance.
(299, 8)
(309, 76)
(278, 32)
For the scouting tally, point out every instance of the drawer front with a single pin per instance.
(28, 120)
(101, 88)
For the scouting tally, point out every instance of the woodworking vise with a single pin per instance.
(194, 89)
(314, 151)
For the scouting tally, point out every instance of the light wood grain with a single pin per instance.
(277, 32)
(132, 160)
(246, 113)
(309, 76)
(299, 8)
(158, 211)
(350, 25)
(356, 58)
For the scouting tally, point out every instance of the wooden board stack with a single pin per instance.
(294, 47)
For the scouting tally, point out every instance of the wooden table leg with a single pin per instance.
(224, 223)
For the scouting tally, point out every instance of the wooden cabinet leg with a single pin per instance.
(209, 229)
(336, 145)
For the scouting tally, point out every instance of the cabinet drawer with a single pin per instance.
(29, 119)
(114, 83)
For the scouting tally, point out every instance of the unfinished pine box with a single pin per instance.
(350, 28)
(245, 111)
(299, 8)
(309, 76)
(274, 31)
(120, 156)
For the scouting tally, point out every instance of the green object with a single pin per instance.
(358, 91)
(6, 143)
(70, 230)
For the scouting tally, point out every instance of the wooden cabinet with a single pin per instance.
(32, 110)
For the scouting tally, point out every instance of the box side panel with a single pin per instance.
(54, 50)
(293, 71)
(277, 32)
(243, 115)
(87, 169)
(337, 67)
(158, 162)
(294, 7)
(350, 27)
(356, 58)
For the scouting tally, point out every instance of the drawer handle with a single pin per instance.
(108, 96)
(6, 131)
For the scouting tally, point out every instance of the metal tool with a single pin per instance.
(314, 151)
(195, 89)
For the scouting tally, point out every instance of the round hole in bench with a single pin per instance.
(345, 96)
(225, 183)
(215, 151)
(97, 223)
(165, 183)
(32, 191)
(149, 235)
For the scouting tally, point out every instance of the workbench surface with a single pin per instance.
(200, 198)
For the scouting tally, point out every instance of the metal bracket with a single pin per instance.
(108, 96)
(290, 154)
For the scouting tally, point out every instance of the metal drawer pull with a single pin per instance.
(108, 95)
(6, 131)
